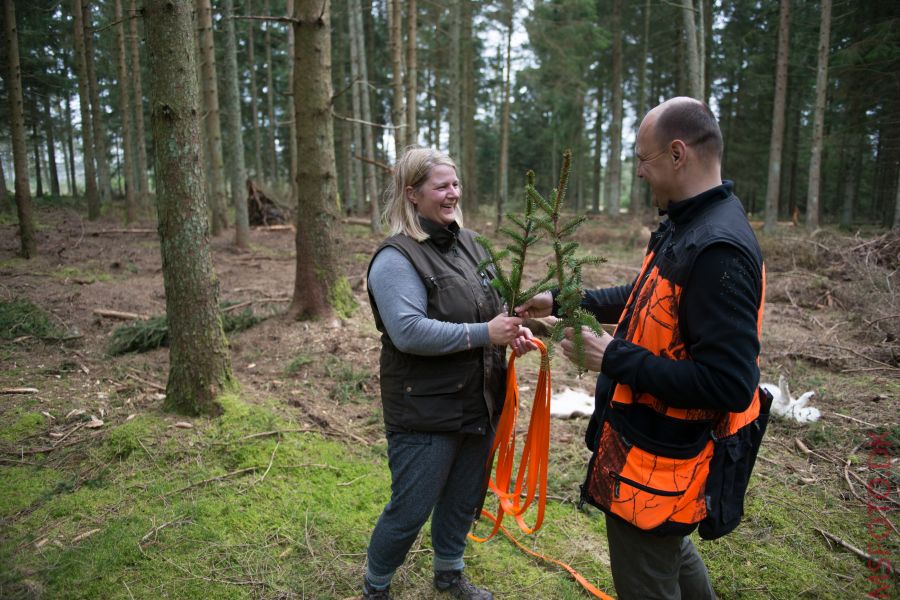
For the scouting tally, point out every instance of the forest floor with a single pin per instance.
(277, 497)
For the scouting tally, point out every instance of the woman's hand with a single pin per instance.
(503, 330)
(594, 347)
(539, 306)
(522, 344)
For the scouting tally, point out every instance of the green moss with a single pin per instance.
(26, 424)
(83, 275)
(123, 440)
(24, 485)
(340, 297)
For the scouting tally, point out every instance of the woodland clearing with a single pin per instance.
(276, 498)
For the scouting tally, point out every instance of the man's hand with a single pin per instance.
(539, 306)
(594, 347)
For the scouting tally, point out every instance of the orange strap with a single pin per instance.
(532, 464)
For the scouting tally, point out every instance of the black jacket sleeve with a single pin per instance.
(718, 321)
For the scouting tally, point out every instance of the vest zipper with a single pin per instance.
(620, 479)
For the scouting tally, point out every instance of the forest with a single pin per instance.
(191, 192)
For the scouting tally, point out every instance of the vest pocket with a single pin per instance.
(652, 492)
(435, 403)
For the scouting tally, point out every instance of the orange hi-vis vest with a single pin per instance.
(651, 461)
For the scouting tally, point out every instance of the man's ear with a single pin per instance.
(678, 151)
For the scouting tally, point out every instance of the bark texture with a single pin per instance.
(142, 181)
(27, 242)
(92, 194)
(818, 135)
(125, 87)
(199, 363)
(776, 142)
(318, 291)
(412, 26)
(101, 153)
(233, 142)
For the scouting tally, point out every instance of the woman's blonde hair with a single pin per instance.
(412, 170)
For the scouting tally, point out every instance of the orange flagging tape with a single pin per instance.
(532, 470)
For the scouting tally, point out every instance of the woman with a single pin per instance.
(443, 371)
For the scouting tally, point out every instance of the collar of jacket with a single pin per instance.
(685, 210)
(443, 237)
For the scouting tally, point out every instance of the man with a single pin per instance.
(681, 369)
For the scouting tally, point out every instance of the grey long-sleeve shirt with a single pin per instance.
(403, 302)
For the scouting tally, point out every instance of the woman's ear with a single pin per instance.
(410, 194)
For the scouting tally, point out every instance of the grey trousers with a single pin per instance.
(437, 474)
(652, 567)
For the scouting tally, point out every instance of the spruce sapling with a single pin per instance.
(508, 279)
(567, 268)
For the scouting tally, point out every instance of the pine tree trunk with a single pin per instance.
(70, 143)
(51, 148)
(232, 140)
(317, 288)
(815, 160)
(272, 129)
(454, 85)
(125, 87)
(254, 102)
(776, 144)
(614, 160)
(469, 175)
(596, 201)
(398, 115)
(896, 223)
(289, 113)
(359, 192)
(101, 153)
(4, 192)
(412, 130)
(212, 122)
(143, 180)
(695, 85)
(637, 206)
(27, 242)
(503, 170)
(368, 130)
(199, 363)
(706, 55)
(36, 146)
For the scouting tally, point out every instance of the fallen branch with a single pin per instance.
(271, 459)
(837, 414)
(139, 379)
(21, 390)
(84, 535)
(115, 314)
(57, 447)
(212, 479)
(176, 521)
(885, 565)
(274, 228)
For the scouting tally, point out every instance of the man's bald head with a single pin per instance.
(690, 121)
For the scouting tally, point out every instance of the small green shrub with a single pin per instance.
(297, 363)
(21, 317)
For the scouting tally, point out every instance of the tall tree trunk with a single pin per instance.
(358, 183)
(318, 290)
(125, 87)
(143, 180)
(637, 206)
(254, 102)
(272, 128)
(51, 148)
(398, 114)
(596, 201)
(467, 108)
(70, 143)
(776, 143)
(292, 126)
(709, 8)
(27, 242)
(233, 140)
(503, 170)
(343, 135)
(454, 85)
(4, 192)
(815, 160)
(212, 121)
(36, 145)
(614, 161)
(896, 222)
(412, 34)
(101, 154)
(854, 146)
(199, 363)
(368, 130)
(694, 66)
